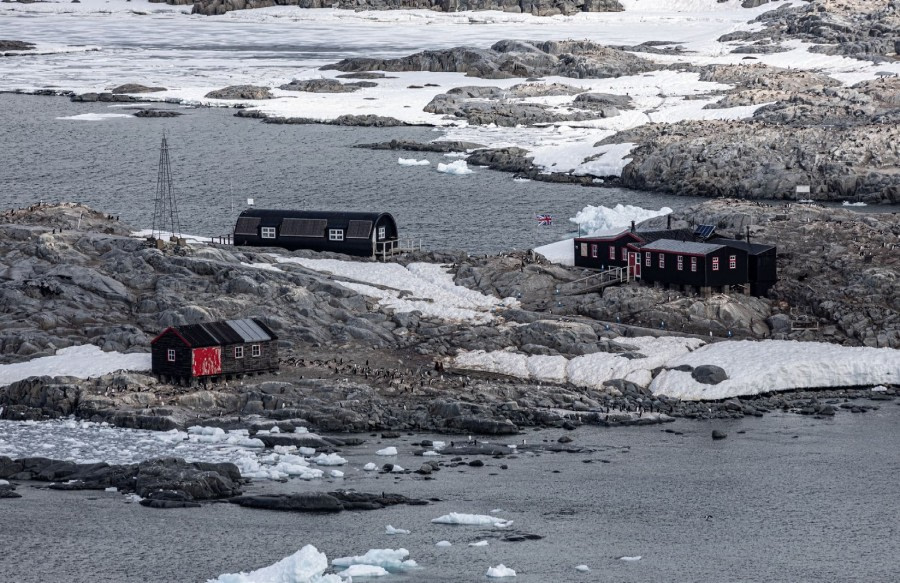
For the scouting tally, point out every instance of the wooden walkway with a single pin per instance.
(595, 282)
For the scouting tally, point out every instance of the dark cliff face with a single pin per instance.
(535, 7)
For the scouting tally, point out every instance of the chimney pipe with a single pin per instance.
(632, 226)
(748, 234)
(668, 221)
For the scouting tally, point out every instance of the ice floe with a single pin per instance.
(307, 565)
(443, 543)
(412, 162)
(391, 530)
(364, 571)
(390, 559)
(472, 520)
(481, 543)
(95, 116)
(500, 570)
(329, 459)
(458, 167)
(387, 451)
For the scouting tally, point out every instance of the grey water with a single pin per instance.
(784, 498)
(219, 161)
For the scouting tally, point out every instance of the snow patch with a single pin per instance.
(82, 361)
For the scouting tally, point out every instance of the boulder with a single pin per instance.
(240, 92)
(302, 502)
(709, 374)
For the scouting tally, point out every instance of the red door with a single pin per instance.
(634, 264)
(206, 361)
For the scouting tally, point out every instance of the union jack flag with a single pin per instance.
(544, 219)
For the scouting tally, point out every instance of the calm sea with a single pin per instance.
(219, 161)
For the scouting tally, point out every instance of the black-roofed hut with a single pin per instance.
(352, 233)
(762, 259)
(223, 348)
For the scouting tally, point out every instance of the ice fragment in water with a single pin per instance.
(500, 570)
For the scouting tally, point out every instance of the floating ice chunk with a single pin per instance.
(370, 467)
(111, 489)
(481, 543)
(496, 510)
(879, 389)
(472, 520)
(397, 469)
(443, 543)
(336, 474)
(848, 203)
(431, 453)
(387, 451)
(4, 483)
(363, 571)
(437, 445)
(500, 570)
(133, 498)
(275, 429)
(412, 162)
(286, 449)
(329, 459)
(391, 530)
(390, 559)
(95, 116)
(458, 167)
(583, 568)
(301, 430)
(634, 558)
(305, 566)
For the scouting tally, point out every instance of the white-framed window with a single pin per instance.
(637, 258)
(612, 252)
(255, 350)
(624, 254)
(680, 263)
(595, 249)
(584, 250)
(239, 352)
(382, 232)
(267, 232)
(335, 234)
(662, 260)
(648, 262)
(694, 264)
(732, 262)
(715, 264)
(170, 355)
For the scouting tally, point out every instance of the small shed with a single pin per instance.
(223, 348)
(703, 265)
(352, 233)
(762, 259)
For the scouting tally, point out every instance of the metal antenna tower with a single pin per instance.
(165, 212)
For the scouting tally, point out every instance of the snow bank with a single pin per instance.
(500, 570)
(458, 167)
(426, 287)
(412, 162)
(83, 362)
(561, 252)
(305, 566)
(594, 219)
(390, 559)
(387, 451)
(472, 520)
(590, 370)
(778, 365)
(391, 530)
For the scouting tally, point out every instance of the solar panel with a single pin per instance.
(359, 229)
(303, 227)
(704, 231)
(246, 226)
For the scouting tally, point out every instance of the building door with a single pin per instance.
(206, 361)
(634, 264)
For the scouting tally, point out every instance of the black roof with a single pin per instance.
(224, 332)
(750, 248)
(675, 246)
(336, 219)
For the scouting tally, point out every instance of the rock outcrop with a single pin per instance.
(240, 92)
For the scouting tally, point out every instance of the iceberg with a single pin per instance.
(500, 570)
(458, 167)
(329, 459)
(305, 566)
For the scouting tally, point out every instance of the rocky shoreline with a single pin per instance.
(350, 366)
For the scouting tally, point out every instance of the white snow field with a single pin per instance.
(426, 287)
(307, 565)
(458, 518)
(82, 362)
(777, 365)
(161, 45)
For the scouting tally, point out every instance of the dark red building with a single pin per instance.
(224, 348)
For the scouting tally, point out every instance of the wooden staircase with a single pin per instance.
(595, 281)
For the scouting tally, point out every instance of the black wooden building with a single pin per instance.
(762, 270)
(223, 348)
(703, 265)
(351, 233)
(609, 249)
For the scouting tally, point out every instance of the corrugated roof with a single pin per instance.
(223, 332)
(681, 246)
(751, 248)
(671, 234)
(606, 233)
